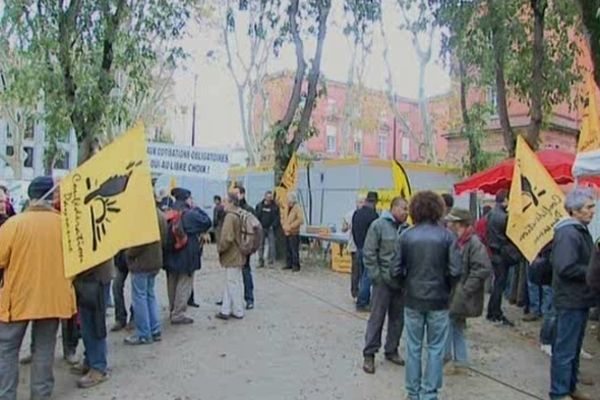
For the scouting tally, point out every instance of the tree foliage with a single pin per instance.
(89, 59)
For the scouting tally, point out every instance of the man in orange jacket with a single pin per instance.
(35, 290)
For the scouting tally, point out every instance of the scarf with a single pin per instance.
(465, 237)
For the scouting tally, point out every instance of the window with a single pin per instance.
(29, 128)
(28, 157)
(358, 143)
(10, 151)
(62, 162)
(331, 139)
(492, 99)
(383, 146)
(8, 132)
(405, 148)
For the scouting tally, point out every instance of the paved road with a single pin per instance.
(303, 341)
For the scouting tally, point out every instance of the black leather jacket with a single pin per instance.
(425, 264)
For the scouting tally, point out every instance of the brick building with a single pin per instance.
(375, 130)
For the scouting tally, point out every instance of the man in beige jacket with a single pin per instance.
(291, 222)
(232, 259)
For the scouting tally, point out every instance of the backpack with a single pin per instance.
(177, 239)
(540, 270)
(251, 233)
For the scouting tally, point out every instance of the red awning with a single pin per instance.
(499, 177)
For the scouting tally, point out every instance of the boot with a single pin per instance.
(395, 359)
(369, 365)
(91, 379)
(578, 395)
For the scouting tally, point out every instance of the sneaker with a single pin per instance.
(91, 379)
(79, 369)
(117, 327)
(395, 359)
(531, 318)
(222, 316)
(71, 359)
(183, 321)
(26, 360)
(585, 355)
(585, 380)
(219, 303)
(136, 340)
(250, 306)
(505, 321)
(363, 309)
(369, 365)
(193, 304)
(157, 337)
(236, 316)
(546, 348)
(578, 395)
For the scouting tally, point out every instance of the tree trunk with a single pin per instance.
(430, 149)
(283, 148)
(589, 17)
(497, 33)
(537, 73)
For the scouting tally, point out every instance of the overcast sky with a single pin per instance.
(217, 107)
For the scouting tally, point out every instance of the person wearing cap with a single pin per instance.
(181, 264)
(361, 221)
(292, 220)
(380, 255)
(467, 296)
(35, 291)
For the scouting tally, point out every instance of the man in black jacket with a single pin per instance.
(361, 221)
(267, 213)
(504, 256)
(571, 253)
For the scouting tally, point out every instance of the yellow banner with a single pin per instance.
(107, 204)
(589, 134)
(535, 205)
(401, 182)
(289, 181)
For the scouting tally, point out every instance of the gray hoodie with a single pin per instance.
(571, 252)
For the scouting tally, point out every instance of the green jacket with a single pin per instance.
(380, 253)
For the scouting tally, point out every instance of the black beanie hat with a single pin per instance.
(39, 187)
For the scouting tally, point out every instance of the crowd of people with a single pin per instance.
(430, 277)
(423, 264)
(35, 291)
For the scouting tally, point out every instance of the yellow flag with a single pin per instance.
(535, 205)
(589, 135)
(401, 182)
(107, 204)
(290, 176)
(289, 181)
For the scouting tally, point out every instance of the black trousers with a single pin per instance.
(292, 245)
(501, 269)
(356, 274)
(384, 302)
(70, 335)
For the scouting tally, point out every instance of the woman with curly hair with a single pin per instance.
(428, 273)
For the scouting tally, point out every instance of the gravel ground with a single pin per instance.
(302, 341)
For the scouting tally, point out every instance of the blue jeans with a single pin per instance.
(436, 324)
(94, 342)
(248, 283)
(540, 298)
(364, 287)
(456, 345)
(145, 306)
(570, 330)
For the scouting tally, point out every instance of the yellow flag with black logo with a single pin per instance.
(289, 181)
(589, 135)
(401, 182)
(107, 204)
(535, 205)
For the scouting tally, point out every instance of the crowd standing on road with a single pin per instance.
(422, 265)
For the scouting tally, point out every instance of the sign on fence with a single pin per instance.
(168, 159)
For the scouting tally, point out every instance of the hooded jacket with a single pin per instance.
(571, 253)
(380, 252)
(195, 222)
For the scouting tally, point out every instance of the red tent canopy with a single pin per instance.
(499, 177)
